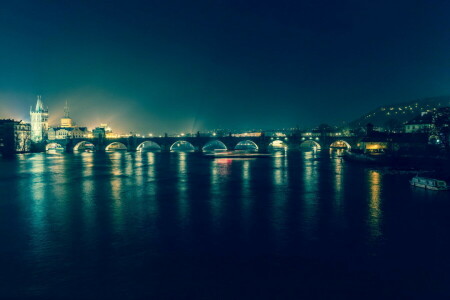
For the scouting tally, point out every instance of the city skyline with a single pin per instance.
(268, 66)
(225, 149)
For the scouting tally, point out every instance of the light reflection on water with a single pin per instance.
(219, 170)
(128, 209)
(246, 198)
(375, 213)
(280, 195)
(182, 187)
(310, 193)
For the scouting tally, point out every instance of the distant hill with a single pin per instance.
(401, 112)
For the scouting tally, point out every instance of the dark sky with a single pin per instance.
(157, 66)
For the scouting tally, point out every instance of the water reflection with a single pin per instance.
(121, 168)
(89, 215)
(338, 170)
(88, 192)
(219, 169)
(39, 225)
(310, 194)
(280, 194)
(375, 213)
(246, 195)
(182, 188)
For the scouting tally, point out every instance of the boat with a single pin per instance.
(236, 154)
(429, 183)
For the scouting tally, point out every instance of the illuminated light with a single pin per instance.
(317, 138)
(214, 145)
(246, 145)
(182, 146)
(278, 144)
(115, 146)
(148, 146)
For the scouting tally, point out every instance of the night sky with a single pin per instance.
(167, 66)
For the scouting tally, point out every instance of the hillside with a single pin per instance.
(401, 112)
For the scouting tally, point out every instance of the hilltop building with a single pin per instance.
(420, 124)
(39, 121)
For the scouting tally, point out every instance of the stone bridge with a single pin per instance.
(198, 143)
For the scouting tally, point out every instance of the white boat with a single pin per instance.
(429, 183)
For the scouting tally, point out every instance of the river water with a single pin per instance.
(182, 226)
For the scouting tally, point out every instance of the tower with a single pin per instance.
(39, 121)
(66, 122)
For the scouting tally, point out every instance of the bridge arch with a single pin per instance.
(116, 146)
(278, 145)
(246, 145)
(340, 144)
(310, 145)
(214, 145)
(54, 146)
(83, 145)
(148, 146)
(182, 146)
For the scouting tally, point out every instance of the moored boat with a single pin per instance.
(429, 183)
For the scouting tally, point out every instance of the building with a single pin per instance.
(247, 134)
(104, 131)
(15, 136)
(39, 122)
(79, 133)
(62, 133)
(420, 124)
(66, 121)
(99, 133)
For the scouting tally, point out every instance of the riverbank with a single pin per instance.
(401, 163)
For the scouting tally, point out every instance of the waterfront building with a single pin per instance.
(60, 133)
(15, 136)
(104, 131)
(39, 121)
(79, 132)
(99, 133)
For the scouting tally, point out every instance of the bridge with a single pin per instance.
(204, 143)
